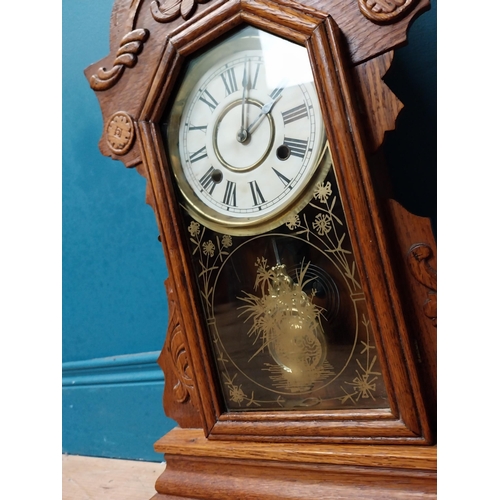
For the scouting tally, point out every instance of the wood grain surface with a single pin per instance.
(366, 454)
(199, 468)
(407, 421)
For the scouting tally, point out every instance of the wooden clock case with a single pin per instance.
(215, 454)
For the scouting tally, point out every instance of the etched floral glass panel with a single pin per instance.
(285, 312)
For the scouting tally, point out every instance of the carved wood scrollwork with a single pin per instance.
(126, 56)
(418, 259)
(172, 9)
(385, 11)
(179, 390)
(178, 354)
(177, 350)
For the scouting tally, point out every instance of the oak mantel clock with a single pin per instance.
(300, 354)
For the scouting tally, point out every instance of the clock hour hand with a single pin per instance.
(263, 112)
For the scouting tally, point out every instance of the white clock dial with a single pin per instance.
(249, 133)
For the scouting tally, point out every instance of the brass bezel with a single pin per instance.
(226, 224)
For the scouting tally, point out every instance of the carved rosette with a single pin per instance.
(126, 56)
(418, 260)
(385, 11)
(170, 10)
(120, 133)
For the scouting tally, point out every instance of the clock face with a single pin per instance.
(245, 134)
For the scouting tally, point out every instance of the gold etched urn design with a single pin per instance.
(287, 323)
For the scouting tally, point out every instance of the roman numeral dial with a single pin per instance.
(297, 147)
(258, 198)
(296, 113)
(209, 180)
(209, 100)
(229, 79)
(245, 132)
(230, 194)
(198, 155)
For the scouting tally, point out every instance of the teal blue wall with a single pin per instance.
(113, 267)
(114, 304)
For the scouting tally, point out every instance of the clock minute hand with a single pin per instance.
(263, 111)
(242, 134)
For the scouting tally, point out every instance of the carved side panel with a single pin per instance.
(180, 399)
(415, 259)
(379, 106)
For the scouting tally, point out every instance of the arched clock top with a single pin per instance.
(139, 30)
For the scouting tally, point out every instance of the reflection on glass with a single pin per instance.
(286, 314)
(278, 282)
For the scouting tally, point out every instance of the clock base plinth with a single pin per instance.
(199, 468)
